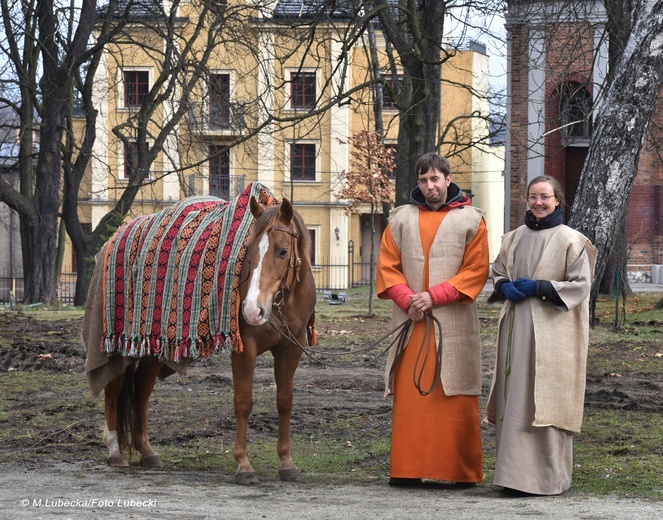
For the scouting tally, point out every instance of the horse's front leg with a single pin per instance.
(111, 394)
(145, 378)
(243, 368)
(286, 360)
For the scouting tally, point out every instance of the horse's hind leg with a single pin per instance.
(111, 395)
(286, 360)
(146, 375)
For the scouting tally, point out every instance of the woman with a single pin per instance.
(543, 274)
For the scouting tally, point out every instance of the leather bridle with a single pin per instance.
(295, 264)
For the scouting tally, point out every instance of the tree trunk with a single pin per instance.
(617, 263)
(417, 38)
(39, 245)
(619, 29)
(41, 237)
(623, 118)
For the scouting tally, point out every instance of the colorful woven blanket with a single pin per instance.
(171, 279)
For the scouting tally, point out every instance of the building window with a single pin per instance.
(219, 103)
(391, 91)
(302, 162)
(131, 158)
(302, 90)
(136, 87)
(576, 111)
(219, 171)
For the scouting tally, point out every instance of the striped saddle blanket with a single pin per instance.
(171, 279)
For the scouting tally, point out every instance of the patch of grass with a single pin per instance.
(46, 313)
(346, 459)
(40, 410)
(18, 384)
(620, 452)
(618, 367)
(637, 307)
(205, 454)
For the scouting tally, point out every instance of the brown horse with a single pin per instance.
(276, 278)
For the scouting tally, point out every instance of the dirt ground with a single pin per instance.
(70, 464)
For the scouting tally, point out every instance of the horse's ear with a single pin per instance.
(286, 210)
(256, 208)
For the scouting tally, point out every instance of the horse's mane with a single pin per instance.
(270, 218)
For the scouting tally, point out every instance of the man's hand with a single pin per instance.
(419, 304)
(421, 301)
(414, 314)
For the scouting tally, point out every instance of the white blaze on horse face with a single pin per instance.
(251, 307)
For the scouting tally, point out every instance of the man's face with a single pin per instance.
(433, 184)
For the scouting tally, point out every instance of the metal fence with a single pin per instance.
(331, 276)
(12, 287)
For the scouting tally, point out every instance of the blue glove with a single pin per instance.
(527, 287)
(511, 292)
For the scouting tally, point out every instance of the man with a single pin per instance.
(434, 260)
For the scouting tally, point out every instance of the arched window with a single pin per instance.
(576, 112)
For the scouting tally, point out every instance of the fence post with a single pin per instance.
(351, 261)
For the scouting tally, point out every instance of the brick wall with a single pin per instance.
(518, 149)
(645, 211)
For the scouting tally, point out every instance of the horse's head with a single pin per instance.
(272, 261)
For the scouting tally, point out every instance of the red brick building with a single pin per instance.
(557, 60)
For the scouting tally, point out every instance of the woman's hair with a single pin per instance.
(558, 192)
(432, 160)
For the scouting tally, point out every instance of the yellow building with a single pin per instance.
(242, 125)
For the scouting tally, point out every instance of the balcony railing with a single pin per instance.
(223, 120)
(219, 186)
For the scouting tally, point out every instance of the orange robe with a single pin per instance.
(435, 436)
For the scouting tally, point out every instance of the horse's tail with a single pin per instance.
(126, 411)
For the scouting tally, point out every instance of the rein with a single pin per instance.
(401, 337)
(280, 327)
(420, 364)
(401, 331)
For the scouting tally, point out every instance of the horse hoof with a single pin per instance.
(153, 461)
(246, 477)
(289, 475)
(117, 461)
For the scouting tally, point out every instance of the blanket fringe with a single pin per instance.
(177, 350)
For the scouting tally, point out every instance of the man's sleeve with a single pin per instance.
(389, 270)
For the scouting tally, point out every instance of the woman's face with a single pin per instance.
(541, 199)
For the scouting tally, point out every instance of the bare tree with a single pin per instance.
(42, 59)
(621, 125)
(368, 182)
(180, 66)
(183, 102)
(583, 64)
(416, 30)
(59, 111)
